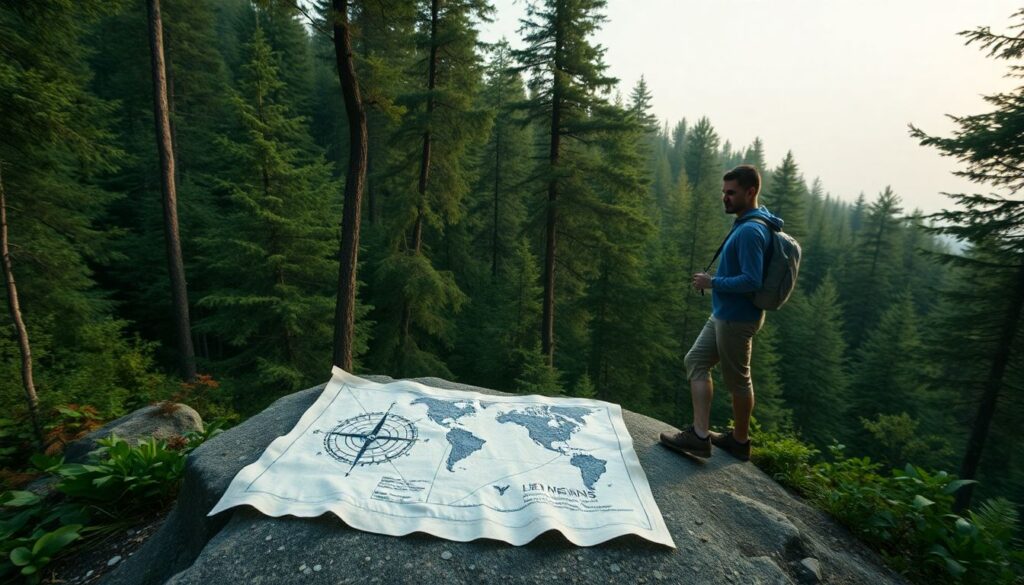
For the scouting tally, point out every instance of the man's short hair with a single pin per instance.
(746, 176)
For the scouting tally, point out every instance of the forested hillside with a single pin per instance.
(527, 225)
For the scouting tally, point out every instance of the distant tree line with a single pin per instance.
(365, 183)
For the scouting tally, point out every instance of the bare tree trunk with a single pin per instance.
(355, 179)
(417, 238)
(424, 179)
(15, 309)
(497, 193)
(547, 338)
(175, 265)
(993, 383)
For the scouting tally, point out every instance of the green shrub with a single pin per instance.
(131, 477)
(905, 514)
(120, 482)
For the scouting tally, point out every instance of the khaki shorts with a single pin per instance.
(729, 343)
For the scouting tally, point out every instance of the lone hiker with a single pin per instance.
(728, 335)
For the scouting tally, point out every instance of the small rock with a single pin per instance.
(302, 567)
(114, 560)
(472, 567)
(614, 568)
(318, 568)
(446, 555)
(367, 559)
(241, 458)
(579, 558)
(89, 574)
(658, 575)
(812, 569)
(269, 537)
(698, 522)
(280, 547)
(408, 566)
(308, 571)
(704, 538)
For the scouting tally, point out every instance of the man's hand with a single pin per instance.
(702, 281)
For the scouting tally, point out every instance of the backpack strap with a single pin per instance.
(771, 232)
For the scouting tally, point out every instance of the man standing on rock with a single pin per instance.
(727, 337)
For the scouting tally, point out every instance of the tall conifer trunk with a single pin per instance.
(548, 317)
(175, 265)
(497, 194)
(355, 179)
(14, 308)
(424, 178)
(425, 155)
(993, 383)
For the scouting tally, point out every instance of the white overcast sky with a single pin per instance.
(835, 81)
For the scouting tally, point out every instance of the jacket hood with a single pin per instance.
(763, 214)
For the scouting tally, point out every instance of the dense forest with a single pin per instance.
(524, 223)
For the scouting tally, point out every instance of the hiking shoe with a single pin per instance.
(687, 442)
(728, 443)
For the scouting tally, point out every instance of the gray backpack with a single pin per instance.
(781, 266)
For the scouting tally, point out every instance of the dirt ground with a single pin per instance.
(89, 564)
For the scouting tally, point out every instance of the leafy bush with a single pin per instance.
(905, 514)
(130, 477)
(120, 482)
(31, 534)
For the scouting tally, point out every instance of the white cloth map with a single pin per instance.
(403, 457)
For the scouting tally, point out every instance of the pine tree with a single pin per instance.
(271, 256)
(199, 112)
(441, 122)
(988, 145)
(355, 178)
(168, 181)
(640, 107)
(627, 335)
(567, 70)
(755, 155)
(676, 153)
(889, 369)
(813, 364)
(504, 162)
(868, 279)
(703, 225)
(56, 144)
(786, 197)
(765, 364)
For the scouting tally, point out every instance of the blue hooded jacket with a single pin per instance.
(741, 267)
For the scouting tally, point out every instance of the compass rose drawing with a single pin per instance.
(370, 439)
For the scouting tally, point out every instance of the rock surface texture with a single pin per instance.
(732, 524)
(150, 421)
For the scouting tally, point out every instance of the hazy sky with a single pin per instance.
(835, 81)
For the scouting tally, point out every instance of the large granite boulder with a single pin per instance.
(732, 525)
(162, 421)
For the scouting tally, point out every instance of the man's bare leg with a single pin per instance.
(702, 391)
(742, 407)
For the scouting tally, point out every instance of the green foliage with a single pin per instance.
(786, 197)
(43, 549)
(906, 514)
(537, 376)
(898, 441)
(125, 479)
(120, 482)
(268, 261)
(815, 380)
(584, 388)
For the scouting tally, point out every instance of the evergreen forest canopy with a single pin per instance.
(520, 229)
